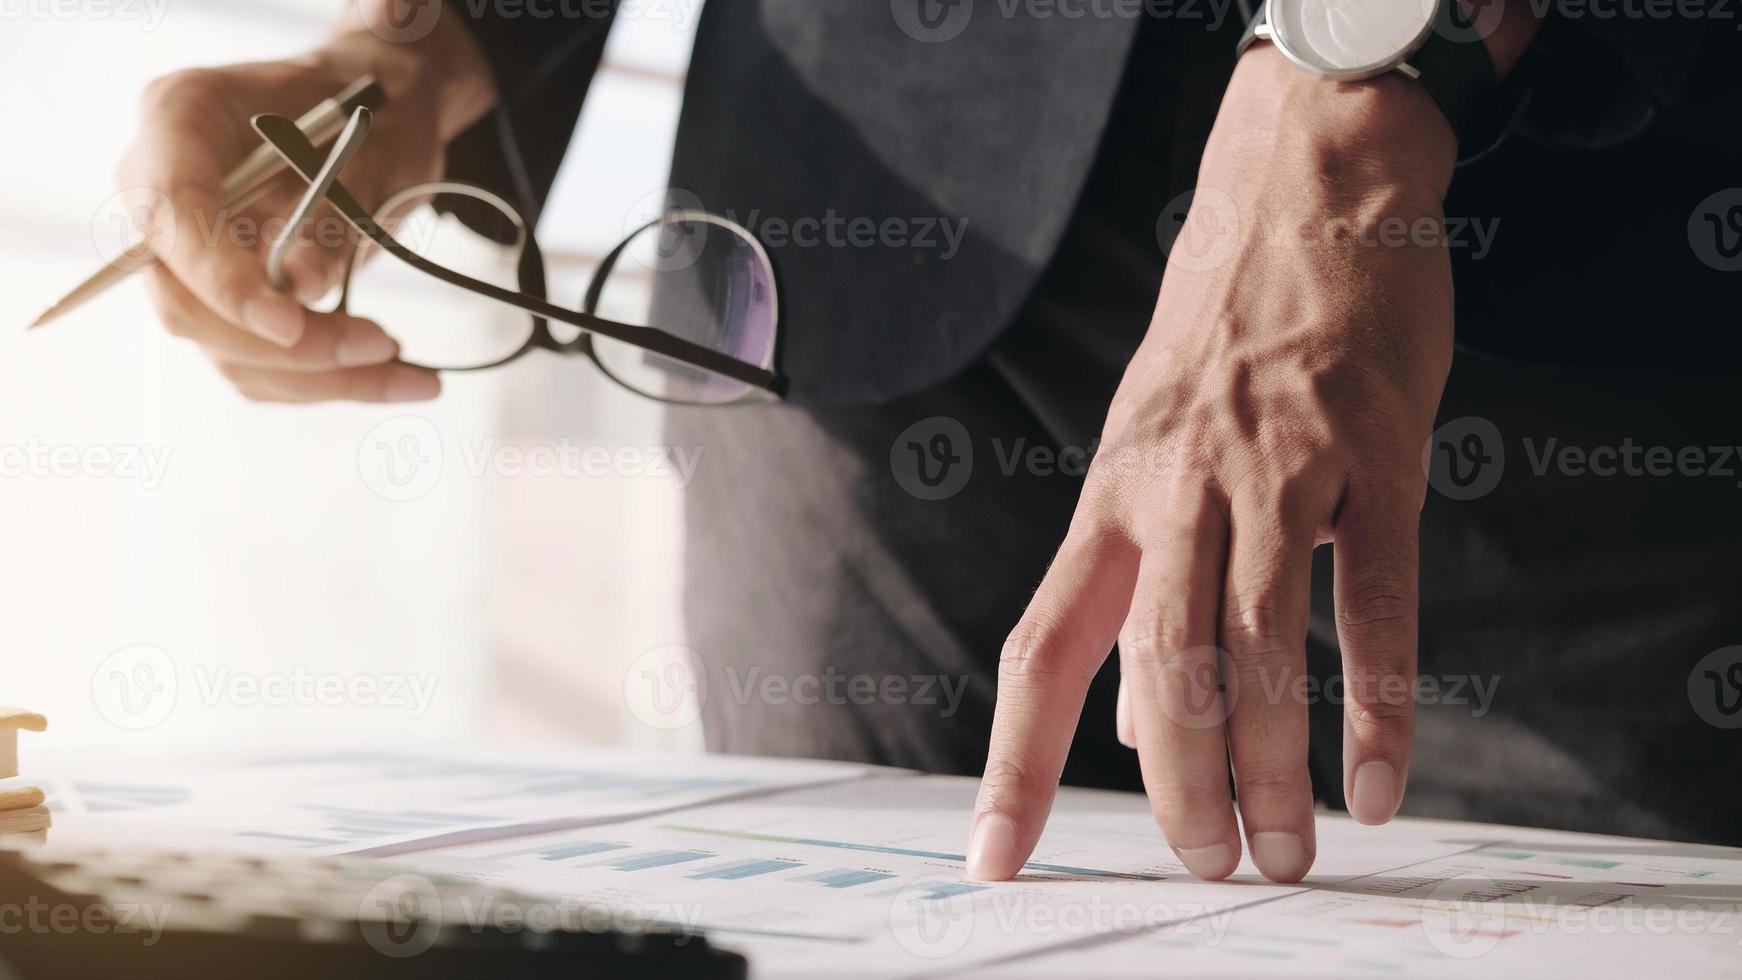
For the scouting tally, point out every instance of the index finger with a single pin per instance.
(1043, 677)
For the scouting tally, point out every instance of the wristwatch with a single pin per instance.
(1432, 41)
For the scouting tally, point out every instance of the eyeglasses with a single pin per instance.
(707, 305)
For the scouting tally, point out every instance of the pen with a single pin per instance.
(246, 184)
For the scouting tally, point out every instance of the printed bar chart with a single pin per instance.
(560, 852)
(1063, 869)
(847, 877)
(652, 859)
(748, 868)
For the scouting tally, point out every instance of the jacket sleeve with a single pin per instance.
(1598, 80)
(542, 67)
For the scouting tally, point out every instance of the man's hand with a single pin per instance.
(212, 287)
(1282, 399)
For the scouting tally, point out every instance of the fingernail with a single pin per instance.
(277, 318)
(364, 343)
(1281, 856)
(992, 849)
(1375, 797)
(412, 385)
(1211, 863)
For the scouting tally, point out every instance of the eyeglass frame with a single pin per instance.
(321, 173)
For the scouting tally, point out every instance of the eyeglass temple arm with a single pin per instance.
(349, 141)
(301, 155)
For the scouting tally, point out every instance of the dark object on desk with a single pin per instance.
(148, 914)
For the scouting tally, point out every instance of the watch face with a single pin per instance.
(1350, 38)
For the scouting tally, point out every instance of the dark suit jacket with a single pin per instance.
(928, 110)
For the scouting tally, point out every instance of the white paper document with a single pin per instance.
(375, 802)
(865, 878)
(815, 869)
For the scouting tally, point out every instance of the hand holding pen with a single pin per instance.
(215, 211)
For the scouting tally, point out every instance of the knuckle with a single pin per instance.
(1377, 717)
(1154, 645)
(1007, 782)
(1031, 650)
(1094, 534)
(175, 89)
(1268, 779)
(1254, 628)
(1176, 804)
(1296, 481)
(1377, 611)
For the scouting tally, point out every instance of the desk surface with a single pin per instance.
(812, 867)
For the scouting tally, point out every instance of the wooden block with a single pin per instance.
(19, 798)
(25, 821)
(12, 721)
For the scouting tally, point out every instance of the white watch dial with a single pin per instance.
(1350, 38)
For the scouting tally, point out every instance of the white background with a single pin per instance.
(268, 550)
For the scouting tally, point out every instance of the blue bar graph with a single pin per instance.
(568, 851)
(1064, 869)
(748, 868)
(653, 859)
(847, 877)
(949, 889)
(561, 852)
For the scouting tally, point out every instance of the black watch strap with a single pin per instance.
(1454, 66)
